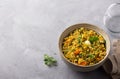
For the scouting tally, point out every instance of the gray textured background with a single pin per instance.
(31, 28)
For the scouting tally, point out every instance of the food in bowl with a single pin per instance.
(84, 47)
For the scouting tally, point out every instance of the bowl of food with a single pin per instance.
(84, 47)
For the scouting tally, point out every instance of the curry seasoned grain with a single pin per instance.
(84, 47)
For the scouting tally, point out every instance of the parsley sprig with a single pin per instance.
(49, 61)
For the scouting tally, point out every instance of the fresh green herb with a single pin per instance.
(49, 61)
(80, 55)
(91, 55)
(79, 39)
(93, 39)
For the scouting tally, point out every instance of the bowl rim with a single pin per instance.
(107, 51)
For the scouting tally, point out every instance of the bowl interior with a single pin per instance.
(89, 26)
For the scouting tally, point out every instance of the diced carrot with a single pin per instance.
(77, 52)
(84, 63)
(98, 59)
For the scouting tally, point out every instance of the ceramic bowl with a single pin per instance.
(89, 26)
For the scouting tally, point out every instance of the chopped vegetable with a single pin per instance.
(98, 59)
(84, 63)
(87, 43)
(49, 61)
(93, 39)
(77, 52)
(91, 55)
(79, 39)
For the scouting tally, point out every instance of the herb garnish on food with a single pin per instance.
(93, 39)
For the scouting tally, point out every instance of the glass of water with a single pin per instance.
(112, 18)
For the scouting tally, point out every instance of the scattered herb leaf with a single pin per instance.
(80, 55)
(93, 39)
(79, 39)
(91, 55)
(49, 61)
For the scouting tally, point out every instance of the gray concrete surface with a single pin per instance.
(31, 28)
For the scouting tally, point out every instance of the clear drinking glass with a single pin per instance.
(112, 18)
